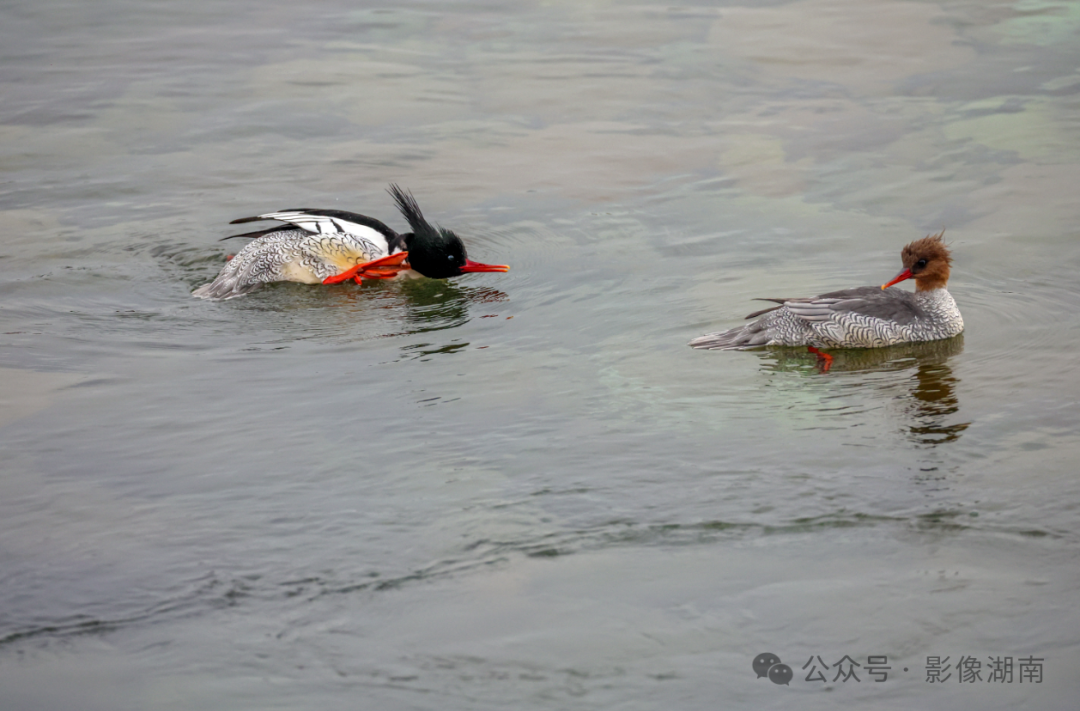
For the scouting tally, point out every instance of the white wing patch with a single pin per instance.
(323, 225)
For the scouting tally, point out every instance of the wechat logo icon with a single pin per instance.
(768, 664)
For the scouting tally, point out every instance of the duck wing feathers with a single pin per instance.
(893, 305)
(329, 222)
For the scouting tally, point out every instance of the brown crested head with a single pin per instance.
(927, 261)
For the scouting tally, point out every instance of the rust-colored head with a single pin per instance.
(926, 261)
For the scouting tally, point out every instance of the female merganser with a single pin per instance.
(864, 317)
(332, 246)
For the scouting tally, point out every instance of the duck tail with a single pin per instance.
(749, 336)
(227, 285)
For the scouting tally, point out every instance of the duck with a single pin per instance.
(335, 246)
(862, 317)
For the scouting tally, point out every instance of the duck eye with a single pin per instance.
(921, 263)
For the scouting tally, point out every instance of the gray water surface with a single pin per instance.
(523, 490)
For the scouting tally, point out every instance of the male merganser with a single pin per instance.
(332, 246)
(864, 317)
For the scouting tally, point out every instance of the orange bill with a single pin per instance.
(906, 274)
(471, 266)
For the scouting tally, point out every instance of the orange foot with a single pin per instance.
(382, 268)
(824, 359)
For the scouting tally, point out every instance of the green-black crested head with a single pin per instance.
(435, 252)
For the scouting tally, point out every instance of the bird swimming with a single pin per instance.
(333, 246)
(863, 317)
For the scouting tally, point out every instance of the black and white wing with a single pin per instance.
(330, 222)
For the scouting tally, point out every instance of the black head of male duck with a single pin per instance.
(434, 251)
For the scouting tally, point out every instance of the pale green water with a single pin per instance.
(523, 490)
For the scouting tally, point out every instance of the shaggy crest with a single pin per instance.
(928, 259)
(929, 248)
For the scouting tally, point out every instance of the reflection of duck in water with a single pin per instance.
(869, 360)
(933, 386)
(436, 305)
(935, 398)
(332, 246)
(864, 317)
